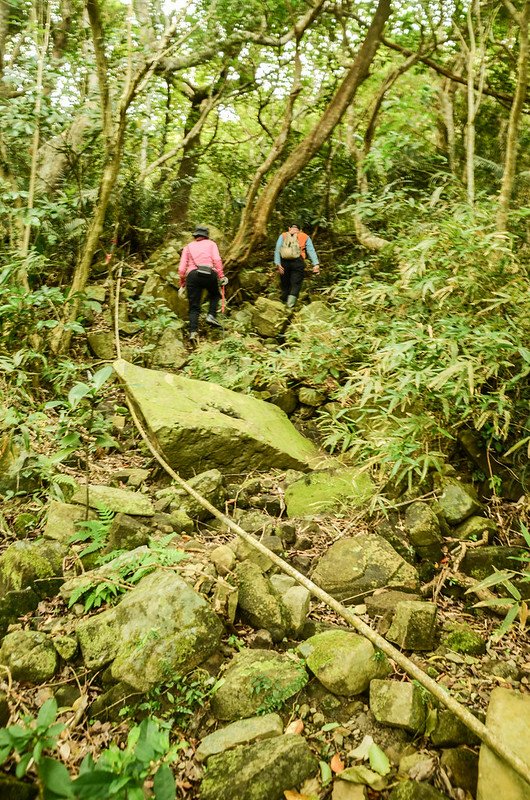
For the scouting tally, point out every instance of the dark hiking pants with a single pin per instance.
(292, 278)
(196, 282)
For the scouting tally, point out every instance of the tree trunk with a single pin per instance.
(522, 18)
(253, 226)
(187, 171)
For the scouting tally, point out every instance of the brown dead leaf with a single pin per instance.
(290, 794)
(296, 726)
(336, 764)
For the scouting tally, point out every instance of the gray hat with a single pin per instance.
(201, 230)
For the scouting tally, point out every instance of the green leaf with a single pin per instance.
(492, 580)
(77, 392)
(93, 785)
(55, 777)
(378, 760)
(507, 622)
(326, 776)
(164, 785)
(47, 713)
(330, 726)
(101, 376)
(363, 775)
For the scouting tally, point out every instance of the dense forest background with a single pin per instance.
(397, 135)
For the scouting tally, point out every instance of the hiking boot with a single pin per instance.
(194, 337)
(211, 320)
(291, 301)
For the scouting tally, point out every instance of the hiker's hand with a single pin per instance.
(223, 281)
(280, 269)
(316, 269)
(182, 292)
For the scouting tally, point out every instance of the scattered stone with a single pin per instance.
(320, 492)
(257, 681)
(482, 561)
(66, 646)
(62, 519)
(354, 566)
(343, 661)
(209, 484)
(384, 603)
(161, 290)
(399, 705)
(66, 695)
(224, 600)
(462, 765)
(261, 640)
(30, 656)
(161, 627)
(297, 599)
(269, 317)
(127, 533)
(457, 501)
(245, 731)
(282, 582)
(101, 344)
(462, 638)
(413, 625)
(223, 558)
(418, 766)
(449, 731)
(411, 790)
(505, 669)
(261, 771)
(169, 351)
(260, 603)
(119, 500)
(133, 477)
(475, 528)
(423, 529)
(200, 425)
(508, 718)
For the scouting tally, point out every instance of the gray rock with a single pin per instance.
(508, 718)
(169, 351)
(449, 731)
(462, 766)
(30, 656)
(259, 602)
(320, 492)
(135, 504)
(269, 317)
(161, 290)
(282, 582)
(209, 484)
(354, 566)
(297, 600)
(101, 344)
(262, 771)
(127, 533)
(457, 501)
(200, 425)
(412, 790)
(343, 661)
(423, 529)
(257, 681)
(399, 705)
(414, 625)
(223, 558)
(245, 731)
(482, 561)
(384, 603)
(62, 519)
(161, 627)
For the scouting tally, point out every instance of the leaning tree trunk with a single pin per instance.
(254, 227)
(522, 18)
(187, 171)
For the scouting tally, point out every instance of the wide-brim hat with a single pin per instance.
(201, 230)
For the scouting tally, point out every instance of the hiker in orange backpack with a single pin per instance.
(292, 247)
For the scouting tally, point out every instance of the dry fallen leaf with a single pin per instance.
(290, 794)
(336, 763)
(296, 726)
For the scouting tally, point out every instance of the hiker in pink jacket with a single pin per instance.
(201, 268)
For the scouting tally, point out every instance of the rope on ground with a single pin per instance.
(415, 672)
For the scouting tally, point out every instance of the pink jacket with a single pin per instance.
(200, 252)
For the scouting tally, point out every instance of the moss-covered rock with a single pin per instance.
(257, 681)
(161, 627)
(209, 484)
(461, 764)
(262, 771)
(354, 566)
(127, 533)
(413, 625)
(450, 731)
(343, 661)
(30, 656)
(412, 790)
(244, 731)
(269, 317)
(261, 605)
(475, 528)
(457, 501)
(66, 646)
(62, 519)
(399, 705)
(297, 600)
(110, 497)
(320, 492)
(201, 425)
(462, 638)
(423, 529)
(35, 565)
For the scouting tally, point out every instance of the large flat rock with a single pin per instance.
(508, 718)
(200, 425)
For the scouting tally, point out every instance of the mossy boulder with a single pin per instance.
(457, 501)
(413, 625)
(412, 790)
(261, 605)
(462, 638)
(261, 771)
(30, 656)
(200, 425)
(161, 627)
(62, 520)
(343, 661)
(320, 492)
(135, 504)
(169, 351)
(450, 731)
(127, 533)
(482, 561)
(209, 484)
(355, 566)
(461, 764)
(244, 731)
(423, 529)
(269, 317)
(475, 528)
(257, 681)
